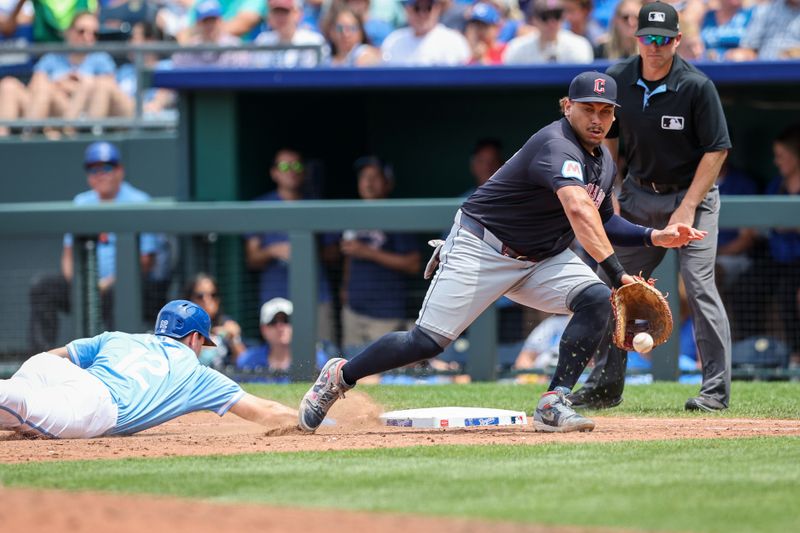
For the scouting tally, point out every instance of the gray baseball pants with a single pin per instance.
(712, 330)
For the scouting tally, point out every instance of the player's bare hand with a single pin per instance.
(677, 235)
(627, 279)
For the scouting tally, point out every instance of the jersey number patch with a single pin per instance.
(572, 169)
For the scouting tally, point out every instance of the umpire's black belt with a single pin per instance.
(478, 229)
(659, 188)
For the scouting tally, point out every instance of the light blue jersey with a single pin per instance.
(152, 379)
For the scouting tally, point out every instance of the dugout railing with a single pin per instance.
(302, 222)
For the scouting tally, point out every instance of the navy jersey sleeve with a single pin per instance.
(557, 165)
(709, 118)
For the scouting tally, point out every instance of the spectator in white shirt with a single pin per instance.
(283, 19)
(552, 44)
(425, 41)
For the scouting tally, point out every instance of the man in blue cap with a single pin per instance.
(119, 384)
(51, 294)
(511, 237)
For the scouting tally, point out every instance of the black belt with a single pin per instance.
(659, 188)
(478, 229)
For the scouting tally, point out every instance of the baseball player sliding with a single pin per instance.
(511, 238)
(119, 383)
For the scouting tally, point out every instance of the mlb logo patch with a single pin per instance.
(671, 123)
(657, 16)
(572, 169)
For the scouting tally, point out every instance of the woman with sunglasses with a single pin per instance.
(673, 127)
(621, 42)
(62, 85)
(226, 333)
(350, 46)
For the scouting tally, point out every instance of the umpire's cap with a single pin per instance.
(101, 152)
(180, 317)
(593, 87)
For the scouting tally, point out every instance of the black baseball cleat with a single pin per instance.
(588, 399)
(704, 403)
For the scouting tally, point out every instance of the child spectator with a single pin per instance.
(481, 31)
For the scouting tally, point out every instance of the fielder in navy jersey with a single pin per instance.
(512, 237)
(119, 383)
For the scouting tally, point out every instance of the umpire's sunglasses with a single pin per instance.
(658, 40)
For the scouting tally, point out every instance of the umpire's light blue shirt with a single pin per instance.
(152, 378)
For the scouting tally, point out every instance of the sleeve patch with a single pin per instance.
(572, 169)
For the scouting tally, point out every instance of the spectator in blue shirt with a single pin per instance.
(376, 267)
(275, 355)
(722, 28)
(776, 276)
(64, 85)
(51, 294)
(773, 33)
(269, 253)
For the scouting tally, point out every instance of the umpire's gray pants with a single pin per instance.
(712, 331)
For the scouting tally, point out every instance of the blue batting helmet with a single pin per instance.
(101, 152)
(180, 317)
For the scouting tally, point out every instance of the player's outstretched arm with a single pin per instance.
(264, 412)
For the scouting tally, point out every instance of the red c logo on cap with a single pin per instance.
(599, 85)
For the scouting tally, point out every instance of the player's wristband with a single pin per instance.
(648, 237)
(613, 269)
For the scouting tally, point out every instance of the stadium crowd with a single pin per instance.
(349, 33)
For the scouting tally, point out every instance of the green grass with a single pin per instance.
(704, 486)
(748, 399)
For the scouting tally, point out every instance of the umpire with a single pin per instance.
(674, 141)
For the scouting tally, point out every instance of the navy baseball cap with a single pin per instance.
(593, 87)
(658, 18)
(484, 13)
(101, 152)
(208, 9)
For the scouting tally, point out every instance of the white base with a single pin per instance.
(453, 417)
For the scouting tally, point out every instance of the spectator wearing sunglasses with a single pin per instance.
(63, 85)
(621, 41)
(552, 43)
(203, 290)
(51, 294)
(673, 130)
(425, 42)
(269, 253)
(350, 46)
(275, 355)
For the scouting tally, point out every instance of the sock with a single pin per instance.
(393, 350)
(583, 334)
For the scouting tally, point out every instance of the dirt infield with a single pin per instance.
(357, 427)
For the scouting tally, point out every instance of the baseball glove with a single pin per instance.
(433, 262)
(639, 307)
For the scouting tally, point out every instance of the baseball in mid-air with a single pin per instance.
(643, 342)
